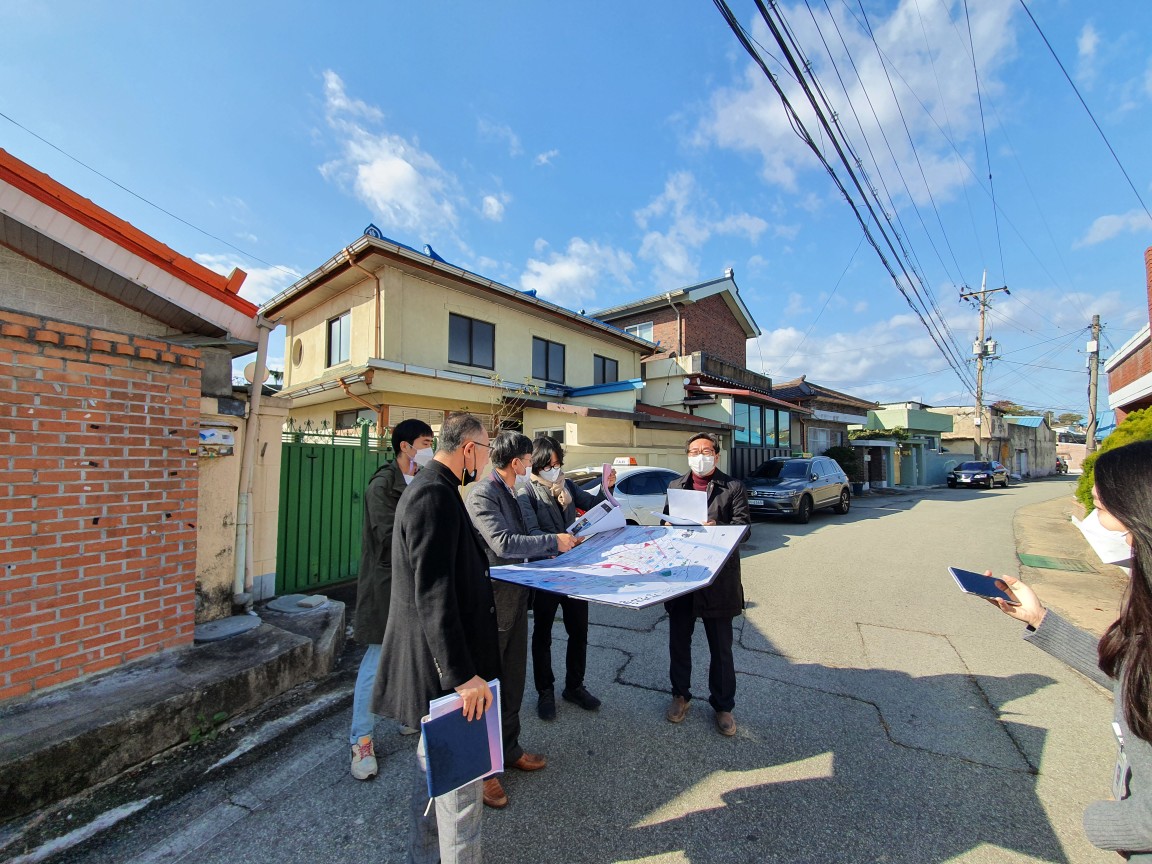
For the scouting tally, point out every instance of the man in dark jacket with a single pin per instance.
(718, 603)
(412, 444)
(441, 634)
(497, 517)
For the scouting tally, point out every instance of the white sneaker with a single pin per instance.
(364, 759)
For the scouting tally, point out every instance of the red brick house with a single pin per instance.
(700, 365)
(1130, 368)
(111, 347)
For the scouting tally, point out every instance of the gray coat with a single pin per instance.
(499, 520)
(374, 579)
(442, 626)
(543, 514)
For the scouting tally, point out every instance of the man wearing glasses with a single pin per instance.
(441, 634)
(717, 604)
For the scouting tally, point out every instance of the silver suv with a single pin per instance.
(796, 487)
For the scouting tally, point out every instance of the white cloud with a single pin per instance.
(1112, 225)
(571, 278)
(260, 285)
(492, 207)
(689, 220)
(500, 132)
(545, 158)
(1086, 46)
(747, 115)
(403, 185)
(796, 305)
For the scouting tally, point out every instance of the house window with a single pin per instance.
(351, 419)
(740, 419)
(558, 434)
(340, 339)
(547, 360)
(820, 439)
(471, 342)
(783, 429)
(604, 370)
(644, 331)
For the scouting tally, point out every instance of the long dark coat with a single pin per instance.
(442, 624)
(374, 580)
(542, 512)
(727, 505)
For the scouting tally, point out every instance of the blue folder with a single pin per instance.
(459, 751)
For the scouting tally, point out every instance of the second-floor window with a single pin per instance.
(604, 370)
(547, 360)
(340, 339)
(471, 342)
(644, 331)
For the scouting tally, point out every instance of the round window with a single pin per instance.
(297, 352)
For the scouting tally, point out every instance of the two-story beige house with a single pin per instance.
(383, 332)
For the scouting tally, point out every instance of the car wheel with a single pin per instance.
(951, 484)
(804, 510)
(990, 483)
(843, 505)
(1005, 483)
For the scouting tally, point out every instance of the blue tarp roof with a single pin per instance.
(1034, 422)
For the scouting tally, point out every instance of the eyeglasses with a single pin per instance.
(701, 452)
(480, 444)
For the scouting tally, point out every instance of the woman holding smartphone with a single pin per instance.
(1122, 659)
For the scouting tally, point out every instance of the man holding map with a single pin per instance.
(716, 604)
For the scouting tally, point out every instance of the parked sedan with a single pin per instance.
(985, 474)
(796, 487)
(640, 489)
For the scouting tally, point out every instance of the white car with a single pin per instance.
(641, 490)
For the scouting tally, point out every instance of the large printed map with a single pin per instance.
(635, 566)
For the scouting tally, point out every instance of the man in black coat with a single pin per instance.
(412, 445)
(441, 634)
(718, 603)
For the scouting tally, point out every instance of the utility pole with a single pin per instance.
(981, 348)
(1093, 383)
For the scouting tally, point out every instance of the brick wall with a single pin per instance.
(98, 435)
(708, 326)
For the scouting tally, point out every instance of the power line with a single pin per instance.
(152, 204)
(1076, 90)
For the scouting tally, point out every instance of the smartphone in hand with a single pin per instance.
(981, 585)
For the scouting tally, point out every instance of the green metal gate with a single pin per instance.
(323, 475)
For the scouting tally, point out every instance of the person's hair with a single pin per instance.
(1124, 486)
(543, 449)
(508, 446)
(458, 429)
(407, 431)
(701, 436)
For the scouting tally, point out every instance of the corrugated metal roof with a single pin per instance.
(1034, 422)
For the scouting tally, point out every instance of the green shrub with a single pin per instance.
(1137, 426)
(846, 458)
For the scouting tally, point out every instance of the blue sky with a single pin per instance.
(604, 151)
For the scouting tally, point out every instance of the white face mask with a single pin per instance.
(522, 479)
(550, 475)
(702, 466)
(423, 457)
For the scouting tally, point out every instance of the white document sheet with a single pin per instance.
(687, 507)
(605, 516)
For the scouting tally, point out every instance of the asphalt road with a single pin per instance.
(884, 717)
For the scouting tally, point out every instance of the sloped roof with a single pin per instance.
(46, 221)
(725, 286)
(801, 388)
(1034, 422)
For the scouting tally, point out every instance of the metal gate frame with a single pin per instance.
(323, 476)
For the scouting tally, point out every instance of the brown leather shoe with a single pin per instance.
(677, 708)
(494, 794)
(529, 762)
(726, 723)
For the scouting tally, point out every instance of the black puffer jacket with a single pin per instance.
(727, 505)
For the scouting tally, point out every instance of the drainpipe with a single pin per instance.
(245, 557)
(679, 332)
(379, 409)
(376, 277)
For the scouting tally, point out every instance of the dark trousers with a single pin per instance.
(544, 607)
(721, 669)
(512, 624)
